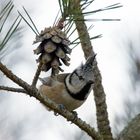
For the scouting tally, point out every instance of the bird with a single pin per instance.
(70, 89)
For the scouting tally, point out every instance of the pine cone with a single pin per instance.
(53, 49)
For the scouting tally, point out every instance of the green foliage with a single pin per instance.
(33, 26)
(7, 31)
(67, 11)
(68, 14)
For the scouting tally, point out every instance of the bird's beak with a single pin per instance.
(89, 63)
(90, 60)
(91, 82)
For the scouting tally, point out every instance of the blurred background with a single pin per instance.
(24, 118)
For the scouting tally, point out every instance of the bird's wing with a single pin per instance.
(50, 80)
(61, 77)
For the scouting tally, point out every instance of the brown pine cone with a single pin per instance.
(53, 49)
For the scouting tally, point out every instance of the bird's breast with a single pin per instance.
(59, 95)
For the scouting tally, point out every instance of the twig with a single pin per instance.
(16, 79)
(38, 71)
(32, 91)
(99, 94)
(12, 89)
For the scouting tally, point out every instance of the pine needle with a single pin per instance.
(9, 11)
(110, 7)
(10, 32)
(28, 23)
(31, 20)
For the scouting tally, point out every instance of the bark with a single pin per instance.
(132, 130)
(99, 94)
(36, 76)
(32, 91)
(17, 90)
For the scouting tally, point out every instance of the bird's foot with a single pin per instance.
(61, 107)
(75, 115)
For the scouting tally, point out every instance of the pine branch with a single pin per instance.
(5, 88)
(38, 71)
(32, 91)
(16, 79)
(99, 94)
(132, 130)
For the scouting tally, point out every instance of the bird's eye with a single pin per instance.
(81, 78)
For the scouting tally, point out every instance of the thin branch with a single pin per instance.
(38, 71)
(32, 91)
(5, 88)
(16, 79)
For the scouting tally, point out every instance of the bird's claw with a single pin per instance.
(75, 115)
(61, 107)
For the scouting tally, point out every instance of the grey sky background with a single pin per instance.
(114, 62)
